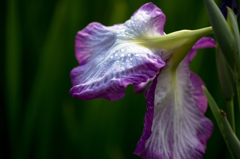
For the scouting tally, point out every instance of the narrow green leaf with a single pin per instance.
(43, 93)
(13, 70)
(232, 22)
(224, 75)
(226, 81)
(220, 30)
(230, 113)
(229, 136)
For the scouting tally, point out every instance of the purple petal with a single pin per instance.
(198, 93)
(204, 42)
(110, 58)
(179, 129)
(174, 124)
(140, 87)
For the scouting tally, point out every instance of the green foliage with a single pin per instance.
(229, 136)
(221, 30)
(38, 117)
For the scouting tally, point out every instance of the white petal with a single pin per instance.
(110, 58)
(179, 129)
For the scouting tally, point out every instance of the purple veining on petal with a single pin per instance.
(109, 60)
(174, 124)
(110, 81)
(148, 119)
(198, 93)
(200, 98)
(204, 42)
(179, 129)
(157, 17)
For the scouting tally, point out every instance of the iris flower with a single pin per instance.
(110, 58)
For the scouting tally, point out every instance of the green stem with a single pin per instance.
(233, 25)
(221, 30)
(174, 40)
(237, 79)
(176, 44)
(230, 113)
(190, 39)
(42, 94)
(13, 72)
(238, 94)
(229, 136)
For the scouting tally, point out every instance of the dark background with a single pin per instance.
(38, 117)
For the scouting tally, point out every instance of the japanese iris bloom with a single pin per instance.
(110, 58)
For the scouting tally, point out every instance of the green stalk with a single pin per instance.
(13, 72)
(42, 92)
(226, 84)
(173, 40)
(230, 113)
(238, 94)
(179, 43)
(191, 37)
(229, 136)
(221, 30)
(232, 22)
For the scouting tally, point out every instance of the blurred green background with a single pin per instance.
(38, 117)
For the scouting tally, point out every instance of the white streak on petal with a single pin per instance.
(179, 128)
(109, 59)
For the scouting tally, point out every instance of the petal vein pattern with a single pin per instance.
(110, 58)
(175, 126)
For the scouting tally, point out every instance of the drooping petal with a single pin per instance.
(110, 59)
(140, 87)
(179, 129)
(174, 124)
(198, 93)
(202, 43)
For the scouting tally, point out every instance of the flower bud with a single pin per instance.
(221, 30)
(224, 75)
